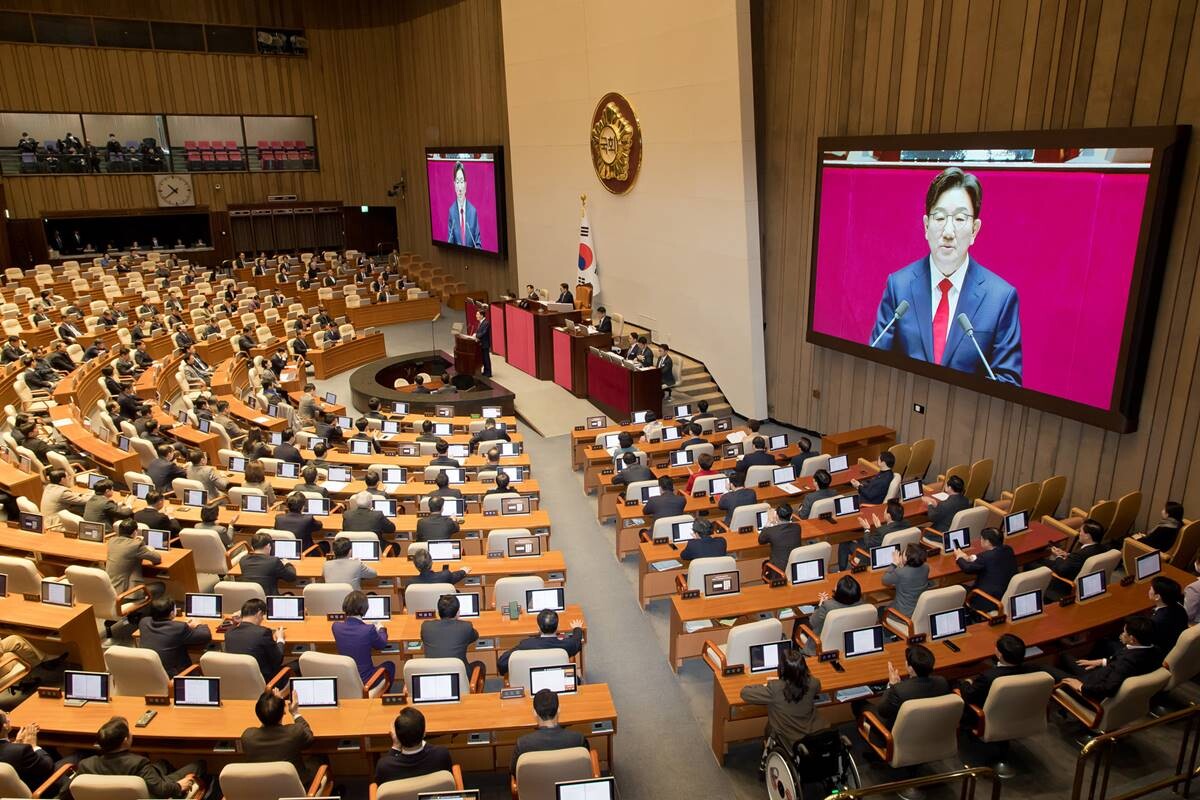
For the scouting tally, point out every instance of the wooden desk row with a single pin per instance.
(597, 459)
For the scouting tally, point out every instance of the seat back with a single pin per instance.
(662, 525)
(23, 576)
(759, 473)
(263, 780)
(93, 586)
(699, 449)
(893, 492)
(1050, 495)
(234, 593)
(926, 730)
(840, 620)
(823, 506)
(181, 485)
(902, 453)
(811, 552)
(424, 596)
(1104, 562)
(974, 518)
(436, 666)
(241, 679)
(497, 540)
(1132, 701)
(513, 588)
(700, 567)
(920, 458)
(935, 601)
(410, 788)
(1103, 512)
(979, 478)
(11, 784)
(521, 661)
(538, 772)
(136, 672)
(741, 637)
(747, 515)
(1183, 552)
(1183, 662)
(108, 787)
(314, 664)
(902, 538)
(703, 483)
(1127, 510)
(208, 551)
(325, 598)
(1009, 708)
(1037, 578)
(1024, 497)
(493, 502)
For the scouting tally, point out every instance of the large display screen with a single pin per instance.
(1018, 264)
(466, 198)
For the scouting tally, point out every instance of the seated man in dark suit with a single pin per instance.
(362, 434)
(739, 496)
(425, 574)
(435, 526)
(549, 734)
(32, 764)
(993, 568)
(410, 756)
(274, 741)
(164, 469)
(442, 448)
(152, 515)
(632, 471)
(604, 324)
(758, 457)
(1010, 660)
(249, 637)
(448, 636)
(547, 639)
(822, 479)
(920, 683)
(296, 521)
(444, 489)
(873, 532)
(260, 567)
(874, 491)
(668, 503)
(1067, 565)
(1169, 617)
(705, 545)
(310, 476)
(1101, 678)
(941, 514)
(783, 536)
(288, 451)
(169, 637)
(362, 516)
(115, 758)
(490, 433)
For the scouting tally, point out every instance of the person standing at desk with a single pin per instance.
(483, 334)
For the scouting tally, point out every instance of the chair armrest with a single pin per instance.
(1006, 495)
(981, 503)
(987, 597)
(595, 764)
(238, 547)
(283, 673)
(476, 679)
(56, 776)
(713, 655)
(124, 596)
(868, 723)
(680, 583)
(978, 728)
(319, 780)
(770, 571)
(1063, 689)
(644, 536)
(456, 771)
(901, 617)
(1076, 511)
(803, 628)
(512, 785)
(377, 676)
(15, 669)
(1062, 526)
(1054, 576)
(315, 550)
(373, 792)
(862, 554)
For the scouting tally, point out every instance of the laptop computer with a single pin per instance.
(436, 688)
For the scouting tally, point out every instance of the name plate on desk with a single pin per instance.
(689, 594)
(578, 428)
(336, 616)
(629, 503)
(999, 619)
(157, 700)
(515, 693)
(763, 484)
(491, 513)
(734, 669)
(393, 699)
(917, 638)
(699, 493)
(1064, 602)
(606, 472)
(50, 693)
(778, 583)
(828, 655)
(424, 614)
(746, 529)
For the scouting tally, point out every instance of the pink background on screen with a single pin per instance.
(481, 193)
(1065, 240)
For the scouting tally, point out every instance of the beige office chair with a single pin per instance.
(747, 516)
(136, 672)
(633, 491)
(1126, 512)
(703, 483)
(521, 661)
(241, 678)
(1130, 704)
(325, 598)
(812, 465)
(1022, 498)
(1037, 578)
(758, 474)
(235, 593)
(1102, 511)
(116, 787)
(349, 683)
(1187, 542)
(700, 567)
(825, 505)
(1050, 495)
(493, 502)
(538, 772)
(736, 649)
(11, 785)
(411, 788)
(837, 622)
(817, 551)
(975, 519)
(497, 540)
(181, 485)
(93, 586)
(920, 458)
(513, 589)
(979, 478)
(443, 666)
(925, 730)
(213, 561)
(931, 601)
(23, 576)
(699, 449)
(424, 596)
(270, 779)
(1183, 662)
(236, 493)
(1011, 712)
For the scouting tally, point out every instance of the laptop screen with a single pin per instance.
(399, 408)
(808, 571)
(682, 531)
(650, 491)
(444, 549)
(1017, 522)
(1091, 585)
(881, 557)
(590, 789)
(515, 474)
(288, 469)
(717, 584)
(386, 507)
(1023, 606)
(681, 458)
(845, 506)
(509, 449)
(596, 422)
(454, 475)
(287, 608)
(560, 679)
(379, 607)
(254, 503)
(494, 412)
(318, 506)
(123, 443)
(315, 692)
(197, 498)
(510, 506)
(671, 434)
(91, 531)
(524, 546)
(442, 428)
(540, 599)
(360, 447)
(639, 417)
(157, 540)
(839, 463)
(468, 603)
(204, 425)
(453, 507)
(910, 490)
(202, 606)
(783, 475)
(57, 594)
(1148, 566)
(718, 486)
(777, 442)
(195, 691)
(365, 551)
(276, 439)
(394, 476)
(682, 410)
(443, 411)
(237, 464)
(79, 685)
(863, 641)
(340, 474)
(390, 426)
(331, 398)
(140, 490)
(30, 522)
(435, 688)
(767, 657)
(948, 623)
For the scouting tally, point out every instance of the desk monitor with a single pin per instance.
(399, 408)
(394, 476)
(846, 505)
(807, 571)
(1091, 585)
(288, 469)
(435, 688)
(1016, 522)
(255, 503)
(457, 794)
(458, 451)
(509, 449)
(957, 539)
(91, 531)
(57, 594)
(723, 424)
(345, 423)
(1147, 566)
(768, 656)
(318, 506)
(196, 498)
(610, 441)
(182, 416)
(79, 685)
(204, 425)
(364, 550)
(671, 434)
(386, 507)
(442, 429)
(681, 410)
(681, 458)
(390, 426)
(140, 490)
(863, 641)
(272, 409)
(456, 475)
(453, 506)
(313, 441)
(360, 447)
(94, 477)
(589, 789)
(340, 474)
(445, 549)
(760, 519)
(594, 423)
(158, 539)
(276, 438)
(881, 557)
(379, 607)
(910, 490)
(682, 531)
(197, 691)
(524, 546)
(514, 506)
(640, 417)
(1025, 605)
(202, 606)
(718, 486)
(443, 411)
(3, 584)
(560, 679)
(468, 603)
(783, 475)
(515, 474)
(315, 692)
(777, 442)
(30, 522)
(717, 584)
(494, 412)
(947, 623)
(839, 464)
(331, 398)
(537, 600)
(285, 608)
(650, 491)
(123, 443)
(237, 464)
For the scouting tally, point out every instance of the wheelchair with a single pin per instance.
(820, 759)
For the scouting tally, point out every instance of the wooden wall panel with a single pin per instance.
(834, 67)
(384, 81)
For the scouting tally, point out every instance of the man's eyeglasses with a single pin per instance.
(961, 219)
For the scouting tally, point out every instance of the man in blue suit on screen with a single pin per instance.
(932, 308)
(463, 224)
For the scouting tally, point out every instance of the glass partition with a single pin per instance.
(206, 144)
(128, 142)
(281, 143)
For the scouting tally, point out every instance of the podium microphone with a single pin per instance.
(964, 322)
(900, 311)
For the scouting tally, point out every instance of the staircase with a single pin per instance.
(695, 382)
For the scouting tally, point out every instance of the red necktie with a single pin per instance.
(941, 321)
(462, 224)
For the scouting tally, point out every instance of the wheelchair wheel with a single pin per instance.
(850, 779)
(781, 777)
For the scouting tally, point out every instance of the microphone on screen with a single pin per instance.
(900, 311)
(964, 322)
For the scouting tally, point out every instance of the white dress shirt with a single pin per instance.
(956, 281)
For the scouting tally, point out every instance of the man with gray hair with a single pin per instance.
(362, 516)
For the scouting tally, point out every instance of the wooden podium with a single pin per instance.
(618, 389)
(468, 357)
(570, 357)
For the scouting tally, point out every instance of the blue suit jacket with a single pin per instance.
(484, 334)
(358, 639)
(987, 299)
(454, 235)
